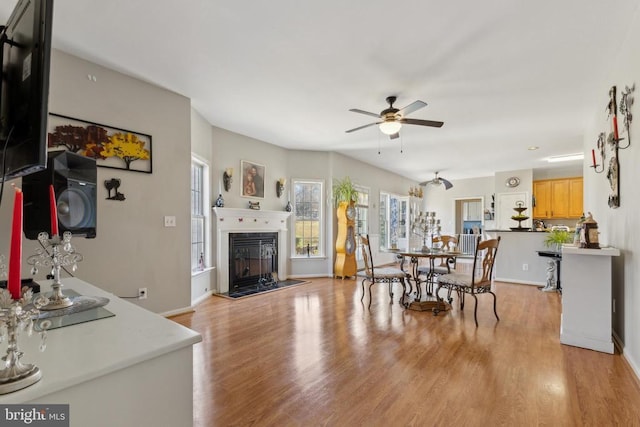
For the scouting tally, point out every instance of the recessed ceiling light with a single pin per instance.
(533, 148)
(566, 157)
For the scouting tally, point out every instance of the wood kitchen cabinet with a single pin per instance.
(558, 198)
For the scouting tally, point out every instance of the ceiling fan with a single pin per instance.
(437, 181)
(391, 119)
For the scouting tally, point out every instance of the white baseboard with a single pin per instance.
(201, 298)
(520, 282)
(632, 363)
(177, 311)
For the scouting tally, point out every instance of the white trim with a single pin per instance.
(200, 299)
(322, 250)
(183, 310)
(197, 273)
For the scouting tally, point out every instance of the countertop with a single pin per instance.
(82, 352)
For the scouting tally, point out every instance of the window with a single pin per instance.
(393, 220)
(308, 218)
(362, 216)
(199, 215)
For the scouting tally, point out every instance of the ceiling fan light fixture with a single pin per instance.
(390, 127)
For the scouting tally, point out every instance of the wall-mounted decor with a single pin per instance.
(626, 101)
(111, 147)
(114, 184)
(280, 186)
(226, 178)
(613, 172)
(252, 179)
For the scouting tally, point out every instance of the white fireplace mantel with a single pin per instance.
(232, 220)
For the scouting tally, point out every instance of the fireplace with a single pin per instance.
(251, 224)
(253, 261)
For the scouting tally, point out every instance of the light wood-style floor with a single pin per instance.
(315, 355)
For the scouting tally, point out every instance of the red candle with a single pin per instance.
(593, 156)
(15, 255)
(54, 211)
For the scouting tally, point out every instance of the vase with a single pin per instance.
(288, 207)
(219, 201)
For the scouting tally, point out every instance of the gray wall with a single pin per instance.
(619, 227)
(132, 248)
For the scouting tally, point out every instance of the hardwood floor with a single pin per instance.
(315, 355)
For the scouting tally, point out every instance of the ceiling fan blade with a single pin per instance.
(355, 110)
(447, 184)
(362, 127)
(394, 135)
(422, 122)
(416, 105)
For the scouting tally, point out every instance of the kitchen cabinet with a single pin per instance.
(558, 198)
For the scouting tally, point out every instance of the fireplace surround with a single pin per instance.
(231, 221)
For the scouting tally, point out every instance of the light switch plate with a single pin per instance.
(169, 221)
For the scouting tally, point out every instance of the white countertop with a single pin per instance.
(85, 351)
(574, 250)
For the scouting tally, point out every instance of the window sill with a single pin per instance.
(200, 272)
(297, 258)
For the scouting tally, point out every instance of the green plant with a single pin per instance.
(344, 190)
(557, 238)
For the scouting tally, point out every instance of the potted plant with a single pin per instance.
(344, 191)
(556, 238)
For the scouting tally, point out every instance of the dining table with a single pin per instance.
(431, 301)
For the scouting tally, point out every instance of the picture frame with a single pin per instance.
(252, 181)
(112, 147)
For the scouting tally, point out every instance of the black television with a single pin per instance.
(25, 53)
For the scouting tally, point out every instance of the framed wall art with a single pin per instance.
(112, 147)
(252, 179)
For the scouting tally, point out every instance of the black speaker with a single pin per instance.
(74, 180)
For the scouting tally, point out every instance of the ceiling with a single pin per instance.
(503, 75)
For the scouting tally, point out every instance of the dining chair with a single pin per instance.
(480, 279)
(372, 274)
(445, 265)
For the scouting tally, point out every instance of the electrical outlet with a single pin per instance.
(142, 293)
(169, 221)
(525, 267)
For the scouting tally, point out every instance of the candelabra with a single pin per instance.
(17, 315)
(425, 225)
(55, 253)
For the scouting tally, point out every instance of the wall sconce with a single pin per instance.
(280, 186)
(226, 178)
(599, 168)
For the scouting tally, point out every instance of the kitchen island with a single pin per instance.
(518, 260)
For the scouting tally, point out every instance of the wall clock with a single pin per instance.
(512, 182)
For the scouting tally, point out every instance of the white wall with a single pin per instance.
(619, 227)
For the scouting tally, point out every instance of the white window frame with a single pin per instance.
(205, 196)
(359, 206)
(322, 237)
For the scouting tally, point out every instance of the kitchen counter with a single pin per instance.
(517, 260)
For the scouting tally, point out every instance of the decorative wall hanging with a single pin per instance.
(252, 179)
(626, 101)
(111, 147)
(226, 178)
(613, 172)
(280, 186)
(114, 184)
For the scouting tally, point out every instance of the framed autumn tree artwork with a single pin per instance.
(112, 147)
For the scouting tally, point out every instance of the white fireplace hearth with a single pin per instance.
(231, 220)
